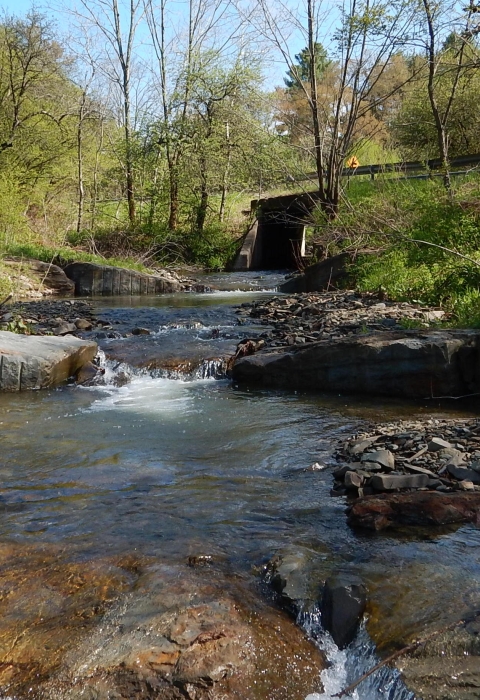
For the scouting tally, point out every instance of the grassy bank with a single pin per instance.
(421, 244)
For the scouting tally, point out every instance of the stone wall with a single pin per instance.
(102, 280)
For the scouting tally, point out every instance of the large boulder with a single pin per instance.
(413, 364)
(103, 280)
(319, 277)
(49, 279)
(40, 362)
(184, 634)
(414, 508)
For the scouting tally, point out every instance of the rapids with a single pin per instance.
(172, 468)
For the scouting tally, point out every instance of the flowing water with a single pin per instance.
(172, 468)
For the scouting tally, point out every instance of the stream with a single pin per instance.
(171, 467)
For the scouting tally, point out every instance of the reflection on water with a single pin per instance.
(171, 468)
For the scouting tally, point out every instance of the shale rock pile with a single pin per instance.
(305, 318)
(440, 455)
(49, 317)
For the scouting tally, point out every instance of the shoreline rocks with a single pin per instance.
(303, 318)
(418, 508)
(411, 473)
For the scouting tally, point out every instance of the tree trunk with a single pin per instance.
(173, 216)
(81, 188)
(440, 123)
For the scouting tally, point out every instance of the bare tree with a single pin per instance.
(366, 36)
(180, 59)
(440, 18)
(116, 26)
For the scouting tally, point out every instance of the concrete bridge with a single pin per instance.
(276, 239)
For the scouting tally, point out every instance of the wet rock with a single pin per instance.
(447, 667)
(121, 379)
(140, 331)
(186, 634)
(294, 578)
(414, 508)
(343, 604)
(414, 365)
(88, 373)
(390, 482)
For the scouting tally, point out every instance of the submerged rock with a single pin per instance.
(124, 628)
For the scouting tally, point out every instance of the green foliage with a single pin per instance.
(301, 69)
(419, 233)
(413, 127)
(18, 325)
(64, 255)
(212, 249)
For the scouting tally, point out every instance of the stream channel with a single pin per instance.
(169, 467)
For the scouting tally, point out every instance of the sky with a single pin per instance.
(274, 69)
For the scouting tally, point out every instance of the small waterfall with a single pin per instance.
(347, 665)
(211, 369)
(121, 373)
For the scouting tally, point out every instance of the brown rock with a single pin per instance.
(186, 633)
(415, 508)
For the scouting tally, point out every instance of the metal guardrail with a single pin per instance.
(405, 168)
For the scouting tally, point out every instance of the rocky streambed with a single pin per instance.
(166, 521)
(439, 460)
(306, 318)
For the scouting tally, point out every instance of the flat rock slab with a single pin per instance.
(40, 362)
(103, 280)
(414, 508)
(414, 364)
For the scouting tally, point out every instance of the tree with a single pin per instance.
(302, 67)
(115, 27)
(414, 130)
(437, 16)
(368, 35)
(181, 58)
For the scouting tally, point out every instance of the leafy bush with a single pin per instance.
(212, 248)
(427, 248)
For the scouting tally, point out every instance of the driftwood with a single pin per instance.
(405, 650)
